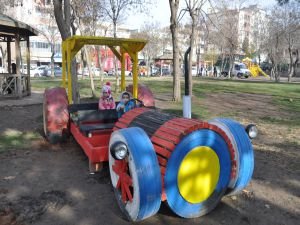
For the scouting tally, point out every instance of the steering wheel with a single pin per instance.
(135, 100)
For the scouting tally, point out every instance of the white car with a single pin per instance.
(40, 71)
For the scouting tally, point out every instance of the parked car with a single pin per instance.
(165, 71)
(57, 71)
(40, 71)
(266, 67)
(194, 71)
(112, 73)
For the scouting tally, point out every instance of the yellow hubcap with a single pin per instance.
(198, 174)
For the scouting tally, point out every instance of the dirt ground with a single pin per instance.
(47, 185)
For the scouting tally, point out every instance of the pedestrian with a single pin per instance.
(201, 70)
(215, 71)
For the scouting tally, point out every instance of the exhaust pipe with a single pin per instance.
(187, 105)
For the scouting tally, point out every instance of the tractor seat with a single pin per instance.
(87, 128)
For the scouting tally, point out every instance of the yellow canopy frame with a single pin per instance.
(73, 44)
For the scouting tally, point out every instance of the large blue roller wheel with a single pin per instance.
(144, 171)
(245, 153)
(201, 139)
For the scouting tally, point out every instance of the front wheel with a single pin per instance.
(136, 177)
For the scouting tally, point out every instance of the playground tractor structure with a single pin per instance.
(153, 156)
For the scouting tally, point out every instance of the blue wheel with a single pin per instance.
(136, 179)
(245, 152)
(197, 174)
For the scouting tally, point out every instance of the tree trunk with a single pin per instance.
(116, 61)
(63, 20)
(174, 4)
(52, 60)
(99, 61)
(192, 40)
(294, 59)
(90, 71)
(231, 62)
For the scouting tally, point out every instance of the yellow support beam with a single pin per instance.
(123, 84)
(115, 51)
(135, 75)
(73, 44)
(69, 61)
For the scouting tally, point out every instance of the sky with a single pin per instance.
(160, 13)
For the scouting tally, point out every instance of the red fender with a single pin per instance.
(144, 94)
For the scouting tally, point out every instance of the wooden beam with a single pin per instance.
(18, 72)
(116, 53)
(28, 65)
(8, 55)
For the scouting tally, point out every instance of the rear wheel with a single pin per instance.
(244, 153)
(55, 115)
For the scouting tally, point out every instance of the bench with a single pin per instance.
(88, 128)
(89, 118)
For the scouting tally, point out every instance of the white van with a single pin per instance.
(240, 70)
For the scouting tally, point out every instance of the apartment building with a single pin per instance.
(36, 14)
(239, 25)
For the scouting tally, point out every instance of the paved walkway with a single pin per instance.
(33, 99)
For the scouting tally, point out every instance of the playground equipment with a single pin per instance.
(153, 156)
(254, 68)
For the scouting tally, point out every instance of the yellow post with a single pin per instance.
(69, 60)
(123, 84)
(135, 74)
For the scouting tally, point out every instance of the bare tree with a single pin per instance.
(88, 13)
(174, 23)
(223, 23)
(283, 33)
(149, 32)
(116, 10)
(50, 32)
(62, 13)
(194, 8)
(291, 13)
(282, 2)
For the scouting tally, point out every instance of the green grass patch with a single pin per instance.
(290, 122)
(14, 139)
(284, 95)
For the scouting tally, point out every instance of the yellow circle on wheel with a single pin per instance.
(198, 174)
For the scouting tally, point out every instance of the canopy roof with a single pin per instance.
(75, 43)
(9, 27)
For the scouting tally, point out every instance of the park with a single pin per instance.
(58, 187)
(94, 136)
